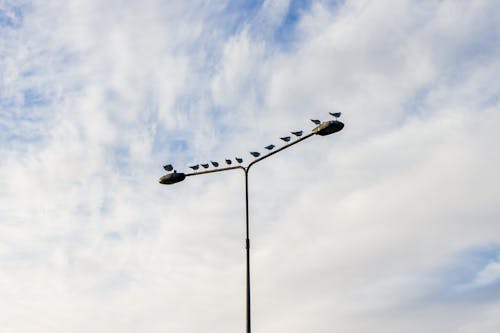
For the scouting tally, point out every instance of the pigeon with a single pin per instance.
(239, 160)
(168, 167)
(205, 165)
(336, 114)
(215, 164)
(255, 153)
(228, 162)
(270, 147)
(195, 167)
(285, 138)
(298, 133)
(316, 121)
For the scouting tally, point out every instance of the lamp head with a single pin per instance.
(328, 127)
(172, 178)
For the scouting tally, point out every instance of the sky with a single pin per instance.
(391, 225)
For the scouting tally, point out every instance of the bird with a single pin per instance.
(336, 114)
(215, 164)
(228, 162)
(205, 165)
(285, 138)
(195, 167)
(239, 160)
(316, 121)
(168, 167)
(270, 147)
(297, 133)
(255, 153)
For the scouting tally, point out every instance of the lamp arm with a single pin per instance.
(214, 170)
(280, 149)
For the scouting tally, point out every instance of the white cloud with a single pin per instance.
(490, 274)
(347, 231)
(487, 276)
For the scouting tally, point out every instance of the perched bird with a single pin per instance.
(195, 167)
(215, 164)
(285, 138)
(316, 121)
(228, 162)
(239, 160)
(269, 147)
(205, 165)
(297, 133)
(336, 114)
(168, 167)
(255, 153)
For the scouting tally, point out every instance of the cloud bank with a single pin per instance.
(390, 225)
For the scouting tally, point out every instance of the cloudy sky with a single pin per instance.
(392, 225)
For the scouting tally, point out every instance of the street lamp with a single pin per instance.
(322, 129)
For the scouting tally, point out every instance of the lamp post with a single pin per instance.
(322, 129)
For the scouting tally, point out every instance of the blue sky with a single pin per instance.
(390, 225)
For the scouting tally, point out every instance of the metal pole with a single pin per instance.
(247, 239)
(248, 253)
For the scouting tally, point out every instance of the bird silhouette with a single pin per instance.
(297, 133)
(285, 138)
(168, 167)
(269, 147)
(255, 153)
(316, 121)
(195, 167)
(215, 164)
(336, 114)
(239, 160)
(228, 162)
(205, 165)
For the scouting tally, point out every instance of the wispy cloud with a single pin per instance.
(351, 233)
